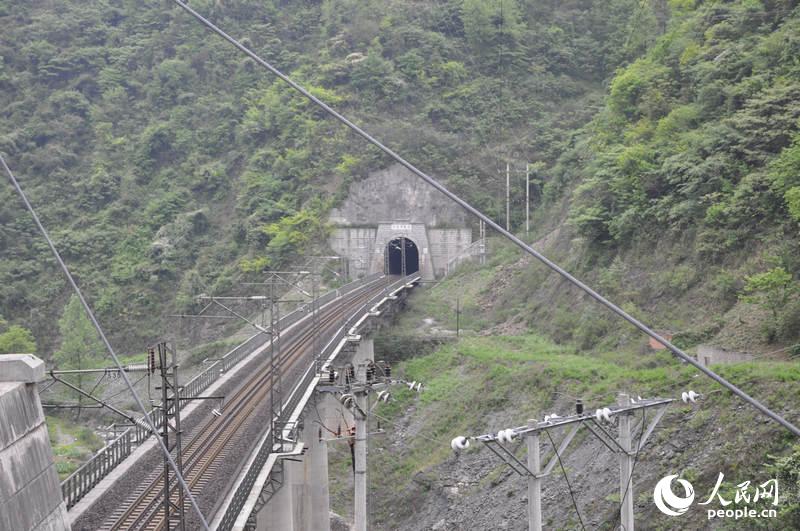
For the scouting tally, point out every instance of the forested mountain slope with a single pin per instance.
(685, 186)
(165, 164)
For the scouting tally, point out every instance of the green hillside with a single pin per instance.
(165, 164)
(664, 136)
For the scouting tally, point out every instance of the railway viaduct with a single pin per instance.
(245, 471)
(257, 464)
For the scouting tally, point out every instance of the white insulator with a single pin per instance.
(508, 435)
(346, 400)
(685, 396)
(419, 386)
(554, 416)
(607, 414)
(547, 418)
(459, 443)
(692, 396)
(598, 414)
(412, 384)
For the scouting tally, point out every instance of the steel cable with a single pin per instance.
(561, 465)
(105, 341)
(480, 215)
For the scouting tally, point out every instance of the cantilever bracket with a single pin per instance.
(651, 427)
(563, 446)
(509, 458)
(93, 398)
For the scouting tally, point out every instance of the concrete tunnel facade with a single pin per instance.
(394, 205)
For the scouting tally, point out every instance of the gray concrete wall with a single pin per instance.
(416, 232)
(391, 203)
(357, 245)
(446, 245)
(30, 492)
(710, 355)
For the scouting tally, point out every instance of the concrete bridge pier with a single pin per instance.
(308, 478)
(303, 501)
(278, 513)
(365, 352)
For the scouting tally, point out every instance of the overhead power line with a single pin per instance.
(107, 344)
(486, 219)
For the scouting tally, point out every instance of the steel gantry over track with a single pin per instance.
(312, 330)
(262, 474)
(489, 222)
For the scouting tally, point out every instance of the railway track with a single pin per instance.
(209, 442)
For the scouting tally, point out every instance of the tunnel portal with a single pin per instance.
(402, 252)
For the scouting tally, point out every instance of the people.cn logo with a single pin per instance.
(667, 502)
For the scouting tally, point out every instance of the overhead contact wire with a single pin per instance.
(105, 341)
(474, 211)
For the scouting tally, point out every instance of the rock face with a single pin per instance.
(396, 194)
(30, 493)
(339, 524)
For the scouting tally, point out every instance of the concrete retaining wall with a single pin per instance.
(356, 243)
(708, 355)
(30, 493)
(446, 245)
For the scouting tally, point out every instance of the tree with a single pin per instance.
(80, 346)
(771, 289)
(16, 339)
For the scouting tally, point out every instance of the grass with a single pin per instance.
(478, 381)
(72, 444)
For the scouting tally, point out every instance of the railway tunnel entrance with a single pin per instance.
(402, 257)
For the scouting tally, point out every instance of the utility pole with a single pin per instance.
(275, 391)
(360, 479)
(171, 409)
(353, 386)
(482, 237)
(625, 464)
(527, 200)
(458, 315)
(534, 480)
(403, 256)
(508, 196)
(623, 445)
(315, 314)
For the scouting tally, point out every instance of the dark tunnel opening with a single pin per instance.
(395, 256)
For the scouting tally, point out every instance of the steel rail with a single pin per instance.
(261, 459)
(208, 445)
(677, 352)
(90, 313)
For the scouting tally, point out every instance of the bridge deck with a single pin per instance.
(215, 447)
